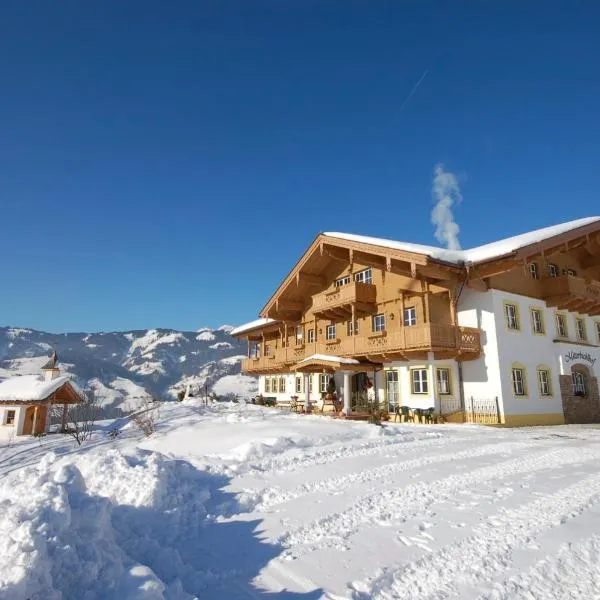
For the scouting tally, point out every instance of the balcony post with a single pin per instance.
(347, 392)
(306, 392)
(353, 331)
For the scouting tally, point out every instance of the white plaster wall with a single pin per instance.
(11, 430)
(407, 398)
(290, 386)
(531, 350)
(481, 377)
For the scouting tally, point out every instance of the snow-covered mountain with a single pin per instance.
(124, 368)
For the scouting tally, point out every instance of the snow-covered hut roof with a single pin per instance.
(477, 254)
(252, 325)
(26, 388)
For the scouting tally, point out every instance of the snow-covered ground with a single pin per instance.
(232, 501)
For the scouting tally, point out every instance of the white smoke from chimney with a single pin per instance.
(446, 192)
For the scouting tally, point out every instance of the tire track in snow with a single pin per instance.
(479, 558)
(393, 506)
(272, 496)
(571, 573)
(288, 461)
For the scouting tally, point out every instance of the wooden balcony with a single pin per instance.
(568, 292)
(446, 341)
(337, 304)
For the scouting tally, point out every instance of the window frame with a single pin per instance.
(516, 316)
(364, 276)
(438, 380)
(340, 281)
(282, 384)
(534, 310)
(298, 387)
(562, 325)
(352, 329)
(534, 272)
(583, 383)
(581, 329)
(10, 416)
(548, 374)
(409, 316)
(310, 337)
(392, 404)
(328, 330)
(553, 270)
(422, 382)
(267, 385)
(597, 323)
(323, 382)
(514, 369)
(376, 321)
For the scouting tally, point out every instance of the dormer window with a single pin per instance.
(365, 276)
(533, 271)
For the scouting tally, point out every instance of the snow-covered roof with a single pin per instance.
(29, 387)
(331, 358)
(474, 255)
(252, 325)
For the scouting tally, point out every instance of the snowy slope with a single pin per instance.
(124, 369)
(235, 502)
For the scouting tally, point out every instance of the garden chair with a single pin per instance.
(402, 411)
(428, 415)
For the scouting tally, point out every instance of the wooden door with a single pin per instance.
(29, 418)
(40, 422)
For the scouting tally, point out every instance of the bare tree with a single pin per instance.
(82, 417)
(145, 419)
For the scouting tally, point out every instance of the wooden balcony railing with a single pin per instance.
(567, 290)
(334, 303)
(427, 337)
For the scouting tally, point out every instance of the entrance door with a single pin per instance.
(29, 418)
(360, 401)
(392, 389)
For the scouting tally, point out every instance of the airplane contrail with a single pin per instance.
(414, 89)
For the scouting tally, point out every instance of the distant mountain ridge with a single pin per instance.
(124, 368)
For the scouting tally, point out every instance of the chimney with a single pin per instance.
(51, 370)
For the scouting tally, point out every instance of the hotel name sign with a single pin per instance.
(579, 356)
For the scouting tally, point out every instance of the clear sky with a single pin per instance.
(164, 164)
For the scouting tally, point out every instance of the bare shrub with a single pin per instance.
(146, 419)
(81, 419)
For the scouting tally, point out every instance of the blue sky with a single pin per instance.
(165, 164)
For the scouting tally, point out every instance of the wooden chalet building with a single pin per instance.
(26, 399)
(516, 322)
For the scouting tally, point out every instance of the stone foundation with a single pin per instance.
(580, 409)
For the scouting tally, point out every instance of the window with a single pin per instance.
(352, 328)
(392, 389)
(512, 316)
(598, 330)
(342, 281)
(310, 384)
(419, 381)
(581, 330)
(10, 417)
(410, 316)
(518, 381)
(267, 385)
(537, 321)
(533, 271)
(298, 385)
(561, 326)
(552, 270)
(571, 272)
(365, 276)
(323, 381)
(544, 382)
(378, 323)
(330, 332)
(579, 384)
(299, 334)
(254, 350)
(282, 385)
(311, 336)
(443, 381)
(267, 350)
